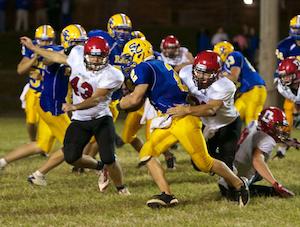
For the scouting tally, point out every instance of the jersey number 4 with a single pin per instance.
(87, 88)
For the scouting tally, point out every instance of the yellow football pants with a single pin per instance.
(186, 130)
(251, 103)
(114, 110)
(57, 124)
(32, 102)
(289, 107)
(132, 125)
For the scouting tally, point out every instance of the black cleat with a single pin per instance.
(162, 200)
(243, 195)
(77, 170)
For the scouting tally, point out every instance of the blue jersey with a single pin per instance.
(115, 50)
(165, 87)
(248, 77)
(34, 84)
(55, 86)
(287, 48)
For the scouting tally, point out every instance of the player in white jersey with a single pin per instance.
(288, 72)
(215, 106)
(173, 54)
(93, 81)
(255, 147)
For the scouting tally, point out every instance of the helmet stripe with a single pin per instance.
(79, 28)
(123, 17)
(44, 31)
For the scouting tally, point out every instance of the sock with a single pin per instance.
(38, 173)
(3, 163)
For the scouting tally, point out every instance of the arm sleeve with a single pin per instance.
(113, 80)
(73, 58)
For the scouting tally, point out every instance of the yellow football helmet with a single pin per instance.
(138, 34)
(138, 50)
(45, 33)
(295, 27)
(119, 27)
(73, 34)
(223, 48)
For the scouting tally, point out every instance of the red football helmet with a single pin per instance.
(206, 68)
(272, 121)
(96, 51)
(170, 46)
(289, 71)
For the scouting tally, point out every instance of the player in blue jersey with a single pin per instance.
(30, 63)
(55, 89)
(251, 91)
(289, 47)
(44, 35)
(158, 81)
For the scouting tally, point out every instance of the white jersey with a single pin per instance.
(180, 59)
(222, 89)
(286, 92)
(84, 84)
(185, 75)
(251, 139)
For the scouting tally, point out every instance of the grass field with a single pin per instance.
(74, 200)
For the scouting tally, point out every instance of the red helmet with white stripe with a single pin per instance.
(170, 46)
(272, 121)
(206, 68)
(96, 51)
(289, 71)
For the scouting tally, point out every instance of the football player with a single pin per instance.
(174, 54)
(257, 141)
(93, 81)
(215, 94)
(56, 83)
(44, 37)
(160, 83)
(251, 93)
(290, 46)
(30, 64)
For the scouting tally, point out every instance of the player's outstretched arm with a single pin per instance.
(50, 55)
(204, 110)
(261, 166)
(135, 98)
(25, 65)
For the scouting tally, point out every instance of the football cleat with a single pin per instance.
(243, 195)
(103, 180)
(37, 180)
(162, 200)
(77, 170)
(124, 191)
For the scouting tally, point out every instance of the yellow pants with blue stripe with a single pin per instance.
(187, 131)
(289, 107)
(251, 103)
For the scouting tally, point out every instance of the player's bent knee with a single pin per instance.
(203, 164)
(70, 154)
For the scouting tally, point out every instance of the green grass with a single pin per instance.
(74, 200)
